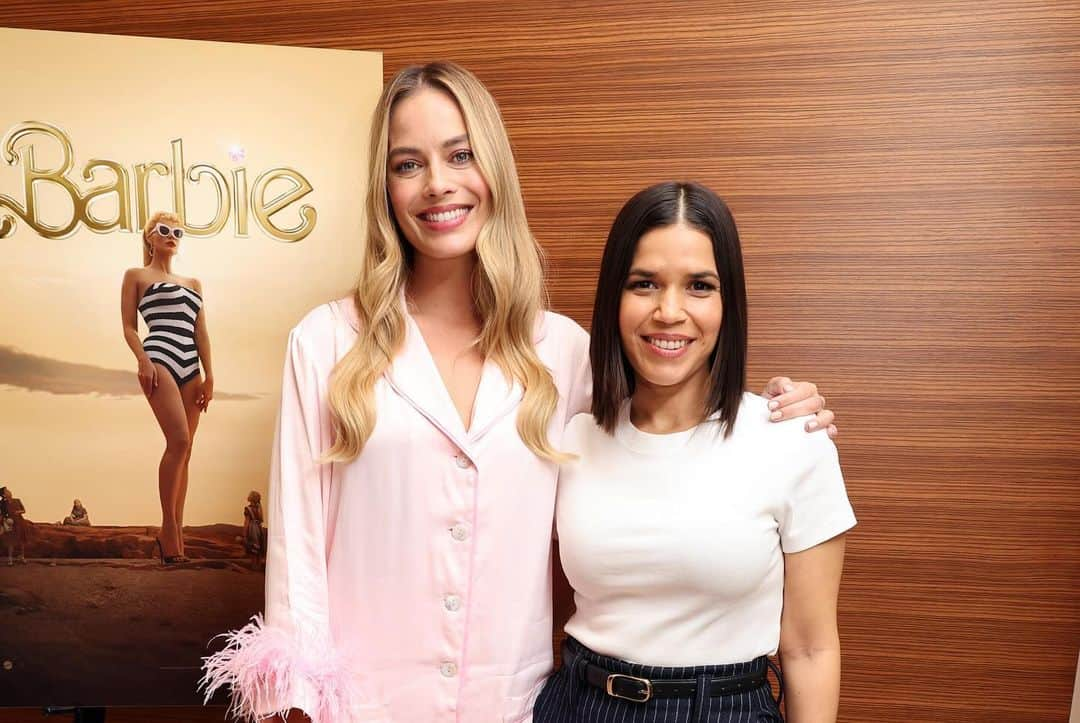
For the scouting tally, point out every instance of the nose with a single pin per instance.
(438, 183)
(669, 306)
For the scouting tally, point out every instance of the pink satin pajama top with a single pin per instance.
(413, 584)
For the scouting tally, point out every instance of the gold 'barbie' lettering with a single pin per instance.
(18, 148)
(263, 209)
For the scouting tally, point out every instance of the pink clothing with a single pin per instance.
(413, 584)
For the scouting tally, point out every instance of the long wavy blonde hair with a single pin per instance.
(507, 284)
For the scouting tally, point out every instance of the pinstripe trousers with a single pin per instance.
(567, 698)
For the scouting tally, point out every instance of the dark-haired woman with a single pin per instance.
(699, 538)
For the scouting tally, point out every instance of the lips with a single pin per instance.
(669, 346)
(444, 218)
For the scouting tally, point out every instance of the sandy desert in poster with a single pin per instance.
(93, 617)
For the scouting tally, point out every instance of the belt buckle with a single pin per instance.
(644, 693)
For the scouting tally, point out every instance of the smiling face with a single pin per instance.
(671, 309)
(438, 195)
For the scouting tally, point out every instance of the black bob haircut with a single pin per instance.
(669, 204)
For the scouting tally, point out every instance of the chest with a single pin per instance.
(459, 363)
(638, 522)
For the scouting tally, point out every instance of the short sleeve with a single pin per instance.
(815, 506)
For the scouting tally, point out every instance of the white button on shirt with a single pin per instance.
(459, 533)
(452, 603)
(449, 670)
(462, 461)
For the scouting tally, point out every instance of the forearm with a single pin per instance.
(811, 684)
(203, 342)
(134, 343)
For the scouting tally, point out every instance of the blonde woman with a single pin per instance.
(168, 359)
(412, 485)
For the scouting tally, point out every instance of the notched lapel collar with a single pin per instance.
(496, 397)
(416, 378)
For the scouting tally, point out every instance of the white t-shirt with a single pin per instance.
(674, 543)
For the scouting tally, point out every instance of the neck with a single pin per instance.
(162, 264)
(668, 409)
(442, 288)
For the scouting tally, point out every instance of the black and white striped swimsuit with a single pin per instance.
(169, 311)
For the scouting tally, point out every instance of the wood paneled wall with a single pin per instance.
(906, 177)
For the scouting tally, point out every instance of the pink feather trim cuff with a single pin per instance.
(270, 671)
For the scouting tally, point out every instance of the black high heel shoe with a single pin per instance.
(168, 559)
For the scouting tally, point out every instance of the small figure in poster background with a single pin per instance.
(79, 516)
(254, 532)
(14, 528)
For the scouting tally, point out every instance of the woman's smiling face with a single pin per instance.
(439, 197)
(671, 309)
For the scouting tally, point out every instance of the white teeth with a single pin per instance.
(444, 216)
(669, 344)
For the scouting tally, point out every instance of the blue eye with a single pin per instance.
(406, 167)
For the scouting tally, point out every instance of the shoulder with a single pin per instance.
(583, 424)
(787, 439)
(195, 284)
(134, 274)
(581, 432)
(318, 322)
(561, 332)
(320, 325)
(559, 327)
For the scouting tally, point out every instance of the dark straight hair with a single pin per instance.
(668, 204)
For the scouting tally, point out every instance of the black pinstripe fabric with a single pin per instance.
(568, 699)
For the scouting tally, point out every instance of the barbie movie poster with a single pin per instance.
(168, 211)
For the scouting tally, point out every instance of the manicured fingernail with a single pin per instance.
(774, 404)
(775, 415)
(788, 387)
(811, 425)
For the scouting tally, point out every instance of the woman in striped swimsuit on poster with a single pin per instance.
(169, 356)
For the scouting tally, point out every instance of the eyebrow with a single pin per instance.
(647, 274)
(456, 140)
